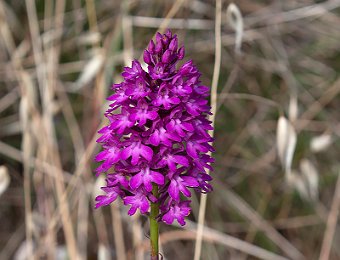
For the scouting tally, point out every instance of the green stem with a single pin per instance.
(154, 226)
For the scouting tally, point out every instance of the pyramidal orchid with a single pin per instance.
(156, 145)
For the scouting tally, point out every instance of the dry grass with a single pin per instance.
(57, 62)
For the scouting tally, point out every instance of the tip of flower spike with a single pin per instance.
(181, 53)
(167, 56)
(159, 36)
(151, 47)
(168, 33)
(147, 57)
(173, 45)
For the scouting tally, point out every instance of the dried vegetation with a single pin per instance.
(274, 67)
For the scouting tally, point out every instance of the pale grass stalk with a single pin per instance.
(172, 12)
(91, 15)
(53, 52)
(65, 215)
(137, 239)
(4, 179)
(127, 30)
(58, 27)
(75, 178)
(295, 14)
(27, 137)
(281, 224)
(99, 88)
(228, 85)
(49, 244)
(319, 104)
(77, 139)
(5, 31)
(331, 223)
(7, 100)
(213, 103)
(250, 214)
(27, 151)
(321, 142)
(45, 167)
(48, 15)
(71, 121)
(168, 18)
(91, 70)
(215, 236)
(246, 96)
(252, 230)
(101, 230)
(200, 7)
(13, 242)
(175, 23)
(73, 183)
(98, 215)
(100, 94)
(286, 73)
(118, 232)
(286, 142)
(297, 222)
(45, 84)
(235, 20)
(82, 223)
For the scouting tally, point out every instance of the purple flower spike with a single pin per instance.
(158, 134)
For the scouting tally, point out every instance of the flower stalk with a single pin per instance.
(154, 225)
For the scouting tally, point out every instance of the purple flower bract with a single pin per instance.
(157, 134)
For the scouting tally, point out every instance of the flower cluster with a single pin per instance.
(157, 135)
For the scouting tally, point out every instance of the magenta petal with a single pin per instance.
(133, 117)
(146, 152)
(103, 200)
(126, 153)
(154, 138)
(147, 57)
(173, 190)
(148, 186)
(166, 58)
(174, 137)
(157, 178)
(136, 181)
(153, 115)
(181, 221)
(181, 160)
(171, 165)
(101, 156)
(191, 150)
(175, 100)
(168, 218)
(142, 120)
(132, 210)
(171, 126)
(190, 181)
(185, 191)
(144, 206)
(135, 157)
(180, 132)
(187, 126)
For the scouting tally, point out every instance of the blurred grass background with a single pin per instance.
(57, 62)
